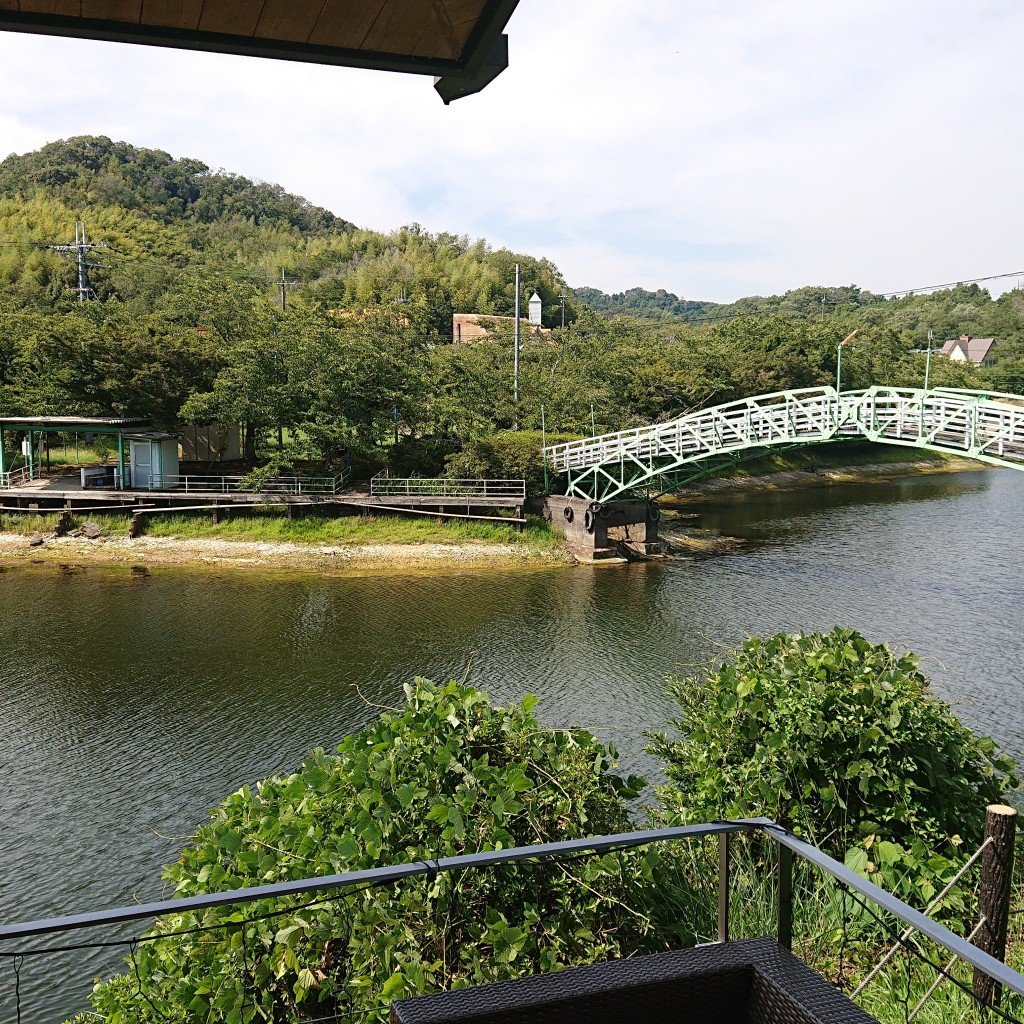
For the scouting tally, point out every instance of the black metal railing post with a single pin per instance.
(785, 878)
(723, 887)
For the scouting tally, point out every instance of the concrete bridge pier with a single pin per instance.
(615, 529)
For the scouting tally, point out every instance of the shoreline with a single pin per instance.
(694, 542)
(143, 553)
(360, 559)
(800, 479)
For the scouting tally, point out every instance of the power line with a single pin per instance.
(949, 284)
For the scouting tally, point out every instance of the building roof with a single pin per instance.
(460, 41)
(84, 423)
(974, 349)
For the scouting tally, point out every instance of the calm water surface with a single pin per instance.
(130, 705)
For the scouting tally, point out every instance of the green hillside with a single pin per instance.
(185, 322)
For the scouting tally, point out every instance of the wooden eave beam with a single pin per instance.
(461, 75)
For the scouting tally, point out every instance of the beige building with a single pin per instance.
(468, 327)
(967, 349)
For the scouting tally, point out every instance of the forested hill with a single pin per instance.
(659, 305)
(93, 171)
(187, 322)
(803, 302)
(165, 220)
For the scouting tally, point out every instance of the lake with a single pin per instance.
(130, 704)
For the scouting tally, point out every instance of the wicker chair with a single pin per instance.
(753, 981)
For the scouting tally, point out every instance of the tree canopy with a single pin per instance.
(190, 321)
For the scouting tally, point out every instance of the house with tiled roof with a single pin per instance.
(967, 349)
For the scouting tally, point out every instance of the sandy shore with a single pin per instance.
(356, 558)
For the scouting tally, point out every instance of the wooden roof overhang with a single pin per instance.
(460, 42)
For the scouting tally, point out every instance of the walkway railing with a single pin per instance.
(203, 484)
(385, 486)
(15, 477)
(13, 946)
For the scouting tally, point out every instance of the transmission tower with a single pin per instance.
(77, 252)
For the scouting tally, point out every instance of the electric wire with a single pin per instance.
(703, 318)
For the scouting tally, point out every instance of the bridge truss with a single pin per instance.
(654, 460)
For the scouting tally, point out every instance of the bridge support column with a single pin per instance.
(595, 532)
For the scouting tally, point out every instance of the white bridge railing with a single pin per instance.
(966, 422)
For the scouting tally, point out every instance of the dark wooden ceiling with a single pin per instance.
(459, 40)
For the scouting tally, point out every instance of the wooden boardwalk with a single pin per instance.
(53, 494)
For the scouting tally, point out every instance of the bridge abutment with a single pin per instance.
(615, 529)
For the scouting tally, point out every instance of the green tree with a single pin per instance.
(832, 735)
(449, 774)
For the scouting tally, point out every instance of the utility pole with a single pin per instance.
(515, 362)
(562, 297)
(79, 249)
(284, 282)
(928, 360)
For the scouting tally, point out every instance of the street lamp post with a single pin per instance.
(839, 360)
(839, 374)
(515, 362)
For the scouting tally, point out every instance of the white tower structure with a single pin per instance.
(535, 305)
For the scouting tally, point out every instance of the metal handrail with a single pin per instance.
(384, 485)
(788, 847)
(15, 477)
(970, 423)
(203, 484)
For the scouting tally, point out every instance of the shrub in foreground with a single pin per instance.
(450, 774)
(835, 737)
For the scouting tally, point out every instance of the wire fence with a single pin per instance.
(384, 485)
(750, 877)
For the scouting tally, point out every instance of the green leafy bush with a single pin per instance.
(835, 737)
(448, 775)
(510, 455)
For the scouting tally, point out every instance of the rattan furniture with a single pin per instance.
(753, 981)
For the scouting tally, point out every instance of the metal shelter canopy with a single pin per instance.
(459, 41)
(32, 425)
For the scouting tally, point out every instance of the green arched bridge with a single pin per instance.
(653, 460)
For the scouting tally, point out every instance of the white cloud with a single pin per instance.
(712, 148)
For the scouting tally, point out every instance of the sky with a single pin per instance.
(714, 148)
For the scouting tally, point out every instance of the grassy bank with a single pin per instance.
(266, 538)
(271, 526)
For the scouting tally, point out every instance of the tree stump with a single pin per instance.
(63, 523)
